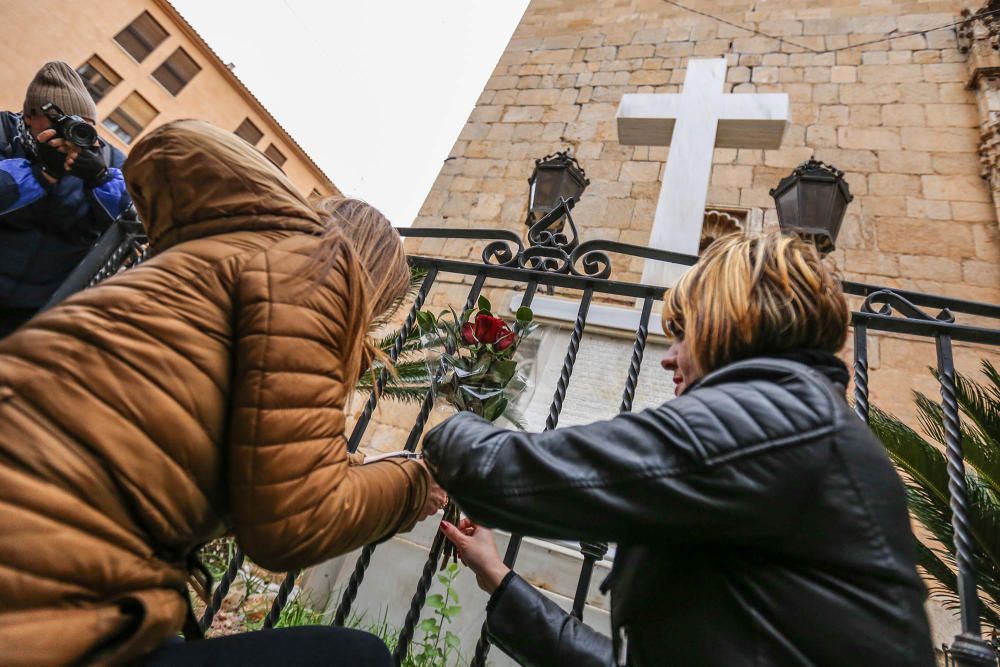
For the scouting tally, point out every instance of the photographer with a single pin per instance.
(56, 197)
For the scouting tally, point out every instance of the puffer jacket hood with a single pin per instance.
(189, 180)
(200, 393)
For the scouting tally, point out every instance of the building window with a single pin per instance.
(141, 36)
(249, 132)
(176, 71)
(128, 120)
(277, 157)
(98, 77)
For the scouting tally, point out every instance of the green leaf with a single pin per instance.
(495, 408)
(426, 321)
(524, 315)
(428, 625)
(435, 601)
(451, 612)
(452, 640)
(484, 305)
(501, 371)
(443, 580)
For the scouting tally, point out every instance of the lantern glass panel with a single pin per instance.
(816, 199)
(547, 188)
(837, 212)
(574, 186)
(788, 207)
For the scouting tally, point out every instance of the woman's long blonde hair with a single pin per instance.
(379, 252)
(756, 296)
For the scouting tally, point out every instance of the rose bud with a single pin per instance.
(468, 334)
(487, 328)
(505, 340)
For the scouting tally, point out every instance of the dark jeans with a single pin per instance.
(292, 647)
(12, 318)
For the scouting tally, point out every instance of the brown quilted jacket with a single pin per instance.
(200, 393)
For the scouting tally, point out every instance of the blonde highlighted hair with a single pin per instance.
(750, 297)
(379, 251)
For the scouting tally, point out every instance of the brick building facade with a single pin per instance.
(145, 65)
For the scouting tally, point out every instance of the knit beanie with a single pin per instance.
(59, 83)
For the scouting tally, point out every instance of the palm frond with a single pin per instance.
(979, 453)
(920, 460)
(981, 404)
(401, 393)
(388, 340)
(924, 470)
(944, 585)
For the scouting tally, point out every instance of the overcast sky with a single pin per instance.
(376, 91)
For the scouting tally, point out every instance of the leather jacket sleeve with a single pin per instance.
(718, 463)
(534, 631)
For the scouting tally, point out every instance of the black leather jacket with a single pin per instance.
(759, 522)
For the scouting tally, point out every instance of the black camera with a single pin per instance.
(73, 129)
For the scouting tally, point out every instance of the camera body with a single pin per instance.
(73, 129)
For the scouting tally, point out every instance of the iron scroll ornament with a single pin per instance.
(549, 247)
(887, 300)
(503, 250)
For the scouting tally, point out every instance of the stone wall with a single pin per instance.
(898, 117)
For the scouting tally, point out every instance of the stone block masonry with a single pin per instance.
(898, 117)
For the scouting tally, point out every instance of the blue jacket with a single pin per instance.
(45, 230)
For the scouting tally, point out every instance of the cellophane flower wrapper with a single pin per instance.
(471, 357)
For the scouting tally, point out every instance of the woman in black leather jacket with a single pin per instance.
(758, 520)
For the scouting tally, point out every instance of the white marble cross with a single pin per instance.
(704, 118)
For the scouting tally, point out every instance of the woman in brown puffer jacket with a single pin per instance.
(198, 394)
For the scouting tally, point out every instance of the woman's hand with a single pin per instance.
(478, 550)
(436, 496)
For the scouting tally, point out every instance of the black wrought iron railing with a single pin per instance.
(559, 260)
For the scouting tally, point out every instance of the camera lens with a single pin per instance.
(82, 134)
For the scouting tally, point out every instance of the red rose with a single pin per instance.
(488, 328)
(505, 340)
(468, 334)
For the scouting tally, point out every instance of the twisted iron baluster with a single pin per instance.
(358, 575)
(288, 583)
(219, 594)
(281, 599)
(351, 592)
(113, 263)
(417, 603)
(437, 546)
(969, 649)
(638, 350)
(861, 371)
(592, 552)
(595, 551)
(567, 370)
(483, 645)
